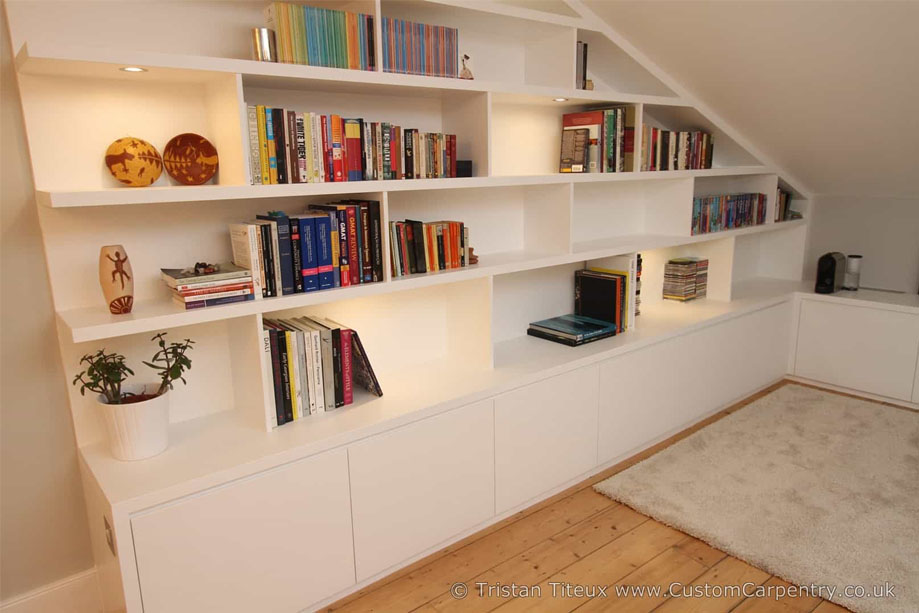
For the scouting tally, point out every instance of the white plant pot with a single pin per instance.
(137, 430)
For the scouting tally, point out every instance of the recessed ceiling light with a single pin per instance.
(560, 99)
(133, 69)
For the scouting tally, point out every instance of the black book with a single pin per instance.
(597, 296)
(462, 242)
(268, 260)
(366, 243)
(282, 223)
(563, 340)
(376, 229)
(276, 375)
(410, 246)
(418, 234)
(440, 248)
(295, 253)
(337, 372)
(285, 376)
(280, 143)
(370, 45)
(410, 154)
(363, 371)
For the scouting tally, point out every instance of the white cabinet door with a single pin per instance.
(659, 390)
(862, 348)
(545, 435)
(418, 485)
(916, 384)
(277, 541)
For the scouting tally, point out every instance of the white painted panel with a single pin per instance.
(278, 541)
(651, 393)
(545, 435)
(871, 350)
(416, 486)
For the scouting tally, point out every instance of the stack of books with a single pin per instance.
(669, 150)
(321, 37)
(572, 330)
(418, 247)
(716, 213)
(287, 146)
(315, 364)
(419, 48)
(211, 285)
(329, 245)
(598, 141)
(685, 279)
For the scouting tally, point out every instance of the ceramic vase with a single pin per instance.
(137, 430)
(116, 279)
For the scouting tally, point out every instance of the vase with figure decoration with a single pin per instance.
(116, 279)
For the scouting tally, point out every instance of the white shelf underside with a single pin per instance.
(217, 448)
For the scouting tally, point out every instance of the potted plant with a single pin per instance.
(136, 416)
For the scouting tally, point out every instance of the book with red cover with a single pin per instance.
(353, 149)
(326, 149)
(347, 373)
(336, 143)
(354, 257)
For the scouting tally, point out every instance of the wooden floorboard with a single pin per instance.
(579, 537)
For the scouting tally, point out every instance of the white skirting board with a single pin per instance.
(854, 392)
(77, 593)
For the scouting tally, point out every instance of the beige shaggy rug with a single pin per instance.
(817, 488)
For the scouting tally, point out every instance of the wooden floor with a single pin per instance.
(582, 538)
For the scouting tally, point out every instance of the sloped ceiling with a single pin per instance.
(828, 90)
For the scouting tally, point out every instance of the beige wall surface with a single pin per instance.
(43, 531)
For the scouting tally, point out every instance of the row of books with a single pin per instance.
(314, 365)
(598, 141)
(716, 213)
(418, 247)
(321, 37)
(287, 146)
(206, 285)
(669, 150)
(685, 279)
(329, 245)
(420, 48)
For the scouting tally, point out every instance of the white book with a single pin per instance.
(304, 374)
(276, 250)
(306, 363)
(271, 411)
(294, 362)
(305, 147)
(318, 371)
(318, 165)
(244, 242)
(255, 161)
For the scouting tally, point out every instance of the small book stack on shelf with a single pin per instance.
(420, 48)
(288, 146)
(598, 141)
(207, 285)
(637, 284)
(685, 279)
(314, 364)
(716, 213)
(669, 150)
(330, 245)
(321, 37)
(572, 330)
(783, 210)
(418, 247)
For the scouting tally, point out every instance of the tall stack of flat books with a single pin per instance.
(211, 285)
(685, 278)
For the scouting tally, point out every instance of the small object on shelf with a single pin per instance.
(685, 279)
(572, 330)
(116, 279)
(463, 168)
(473, 258)
(466, 72)
(589, 85)
(831, 273)
(136, 416)
(190, 159)
(263, 45)
(853, 272)
(134, 161)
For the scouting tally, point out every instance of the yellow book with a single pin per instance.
(292, 372)
(626, 310)
(263, 144)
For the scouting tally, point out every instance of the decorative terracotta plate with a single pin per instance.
(190, 159)
(134, 161)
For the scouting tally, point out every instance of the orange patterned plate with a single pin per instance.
(190, 159)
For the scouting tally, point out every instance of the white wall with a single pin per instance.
(884, 230)
(43, 530)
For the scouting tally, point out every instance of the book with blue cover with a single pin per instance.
(572, 329)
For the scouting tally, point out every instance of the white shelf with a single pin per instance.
(217, 448)
(95, 323)
(203, 193)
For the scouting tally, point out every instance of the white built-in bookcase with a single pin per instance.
(434, 338)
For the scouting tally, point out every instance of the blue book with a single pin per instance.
(323, 227)
(575, 327)
(285, 253)
(308, 254)
(269, 136)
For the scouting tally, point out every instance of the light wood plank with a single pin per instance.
(728, 573)
(829, 607)
(787, 604)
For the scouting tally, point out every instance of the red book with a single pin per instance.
(353, 152)
(326, 149)
(216, 290)
(453, 155)
(354, 258)
(403, 246)
(347, 371)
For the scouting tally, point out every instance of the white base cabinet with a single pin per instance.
(274, 542)
(859, 347)
(418, 485)
(545, 435)
(648, 394)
